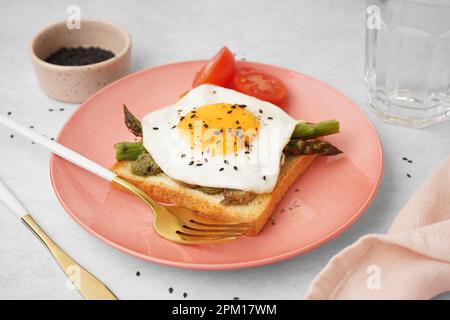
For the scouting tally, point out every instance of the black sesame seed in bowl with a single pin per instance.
(71, 65)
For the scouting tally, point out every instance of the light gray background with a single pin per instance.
(322, 38)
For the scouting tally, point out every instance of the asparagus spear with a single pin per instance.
(301, 131)
(133, 124)
(302, 139)
(132, 150)
(313, 130)
(311, 146)
(129, 150)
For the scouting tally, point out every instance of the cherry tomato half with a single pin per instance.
(219, 70)
(259, 84)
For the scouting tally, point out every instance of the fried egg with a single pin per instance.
(218, 137)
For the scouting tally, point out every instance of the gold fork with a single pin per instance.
(182, 225)
(176, 224)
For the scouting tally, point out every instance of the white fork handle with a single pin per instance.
(59, 149)
(11, 201)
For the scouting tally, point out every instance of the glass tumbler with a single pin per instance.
(408, 60)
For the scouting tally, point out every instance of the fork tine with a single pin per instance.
(205, 238)
(214, 230)
(190, 218)
(221, 224)
(190, 241)
(201, 235)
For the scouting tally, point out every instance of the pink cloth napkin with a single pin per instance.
(411, 262)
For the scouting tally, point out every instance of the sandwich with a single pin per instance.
(227, 156)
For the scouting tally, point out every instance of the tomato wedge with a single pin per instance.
(259, 84)
(219, 70)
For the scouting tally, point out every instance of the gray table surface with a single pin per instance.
(322, 38)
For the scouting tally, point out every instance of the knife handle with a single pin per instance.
(89, 286)
(11, 201)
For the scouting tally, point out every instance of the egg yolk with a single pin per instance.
(220, 128)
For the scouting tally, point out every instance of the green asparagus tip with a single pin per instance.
(314, 130)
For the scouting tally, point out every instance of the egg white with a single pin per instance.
(257, 171)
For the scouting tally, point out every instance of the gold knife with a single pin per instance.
(89, 286)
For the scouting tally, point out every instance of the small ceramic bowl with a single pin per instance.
(76, 83)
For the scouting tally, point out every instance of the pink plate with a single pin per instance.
(327, 199)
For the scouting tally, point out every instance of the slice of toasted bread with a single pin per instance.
(163, 189)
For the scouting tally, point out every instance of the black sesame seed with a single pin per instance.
(173, 127)
(79, 56)
(404, 158)
(214, 92)
(225, 161)
(242, 106)
(264, 177)
(205, 125)
(181, 119)
(32, 142)
(260, 111)
(235, 168)
(51, 110)
(155, 128)
(199, 164)
(31, 127)
(11, 136)
(221, 169)
(270, 118)
(247, 152)
(190, 125)
(191, 163)
(229, 111)
(138, 273)
(408, 175)
(233, 106)
(61, 109)
(183, 155)
(206, 160)
(53, 139)
(185, 295)
(235, 298)
(9, 113)
(170, 290)
(193, 116)
(409, 161)
(237, 121)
